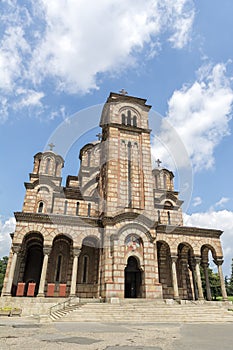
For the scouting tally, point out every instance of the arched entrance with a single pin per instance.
(133, 279)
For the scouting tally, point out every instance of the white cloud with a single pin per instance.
(197, 201)
(200, 114)
(73, 42)
(3, 109)
(221, 220)
(31, 98)
(222, 201)
(6, 228)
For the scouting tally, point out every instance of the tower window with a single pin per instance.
(123, 119)
(56, 168)
(165, 181)
(89, 209)
(159, 219)
(134, 120)
(40, 207)
(77, 208)
(168, 218)
(65, 207)
(47, 166)
(128, 118)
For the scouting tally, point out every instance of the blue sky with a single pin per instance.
(58, 58)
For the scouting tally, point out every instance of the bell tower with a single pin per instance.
(126, 183)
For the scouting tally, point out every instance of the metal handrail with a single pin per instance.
(60, 306)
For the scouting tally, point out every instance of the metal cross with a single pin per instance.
(158, 162)
(51, 146)
(99, 135)
(123, 92)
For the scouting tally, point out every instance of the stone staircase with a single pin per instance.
(146, 311)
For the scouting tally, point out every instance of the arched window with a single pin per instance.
(123, 119)
(156, 181)
(77, 208)
(47, 165)
(58, 268)
(168, 218)
(56, 168)
(165, 181)
(65, 207)
(159, 219)
(85, 269)
(128, 118)
(134, 120)
(88, 158)
(89, 209)
(40, 207)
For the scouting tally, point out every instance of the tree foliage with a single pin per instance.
(3, 265)
(215, 285)
(229, 281)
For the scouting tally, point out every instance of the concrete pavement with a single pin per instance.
(25, 334)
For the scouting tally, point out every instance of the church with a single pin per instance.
(115, 230)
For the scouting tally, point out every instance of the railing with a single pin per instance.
(61, 306)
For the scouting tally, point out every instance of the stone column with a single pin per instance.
(199, 282)
(47, 250)
(76, 253)
(174, 278)
(219, 262)
(205, 266)
(16, 250)
(192, 267)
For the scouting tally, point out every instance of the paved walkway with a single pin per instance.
(22, 333)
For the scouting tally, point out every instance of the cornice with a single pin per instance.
(55, 219)
(112, 220)
(188, 231)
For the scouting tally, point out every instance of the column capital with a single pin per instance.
(218, 261)
(205, 264)
(174, 258)
(47, 249)
(197, 260)
(16, 248)
(76, 251)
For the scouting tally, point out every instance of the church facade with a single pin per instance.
(116, 229)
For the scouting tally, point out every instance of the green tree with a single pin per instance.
(214, 281)
(3, 265)
(230, 281)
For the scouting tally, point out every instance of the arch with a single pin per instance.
(133, 278)
(91, 241)
(205, 249)
(43, 189)
(31, 260)
(88, 264)
(133, 228)
(59, 266)
(186, 272)
(168, 204)
(165, 268)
